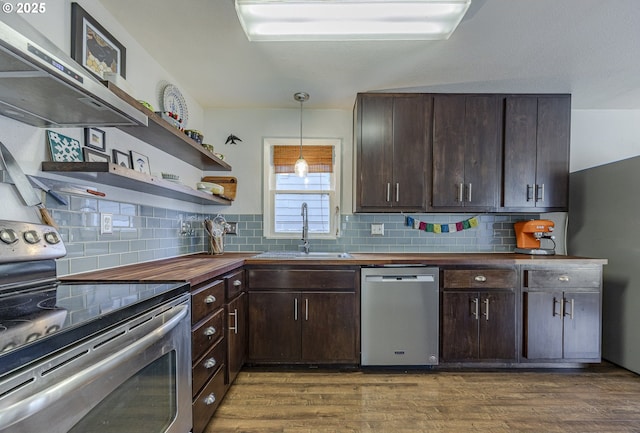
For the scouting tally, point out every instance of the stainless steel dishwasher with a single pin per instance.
(399, 316)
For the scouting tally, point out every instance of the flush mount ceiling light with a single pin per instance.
(343, 20)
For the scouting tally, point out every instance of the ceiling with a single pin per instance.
(582, 47)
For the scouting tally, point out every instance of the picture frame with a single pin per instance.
(63, 148)
(140, 162)
(93, 156)
(122, 159)
(95, 138)
(94, 47)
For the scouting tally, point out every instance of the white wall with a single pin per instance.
(145, 77)
(253, 125)
(602, 136)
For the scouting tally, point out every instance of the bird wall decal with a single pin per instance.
(231, 139)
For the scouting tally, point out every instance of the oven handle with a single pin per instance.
(31, 405)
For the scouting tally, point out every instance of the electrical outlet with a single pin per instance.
(106, 223)
(232, 228)
(377, 229)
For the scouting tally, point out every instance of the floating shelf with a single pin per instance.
(165, 137)
(114, 175)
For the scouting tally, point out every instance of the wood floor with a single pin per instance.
(603, 400)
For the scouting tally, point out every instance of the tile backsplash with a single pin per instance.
(142, 233)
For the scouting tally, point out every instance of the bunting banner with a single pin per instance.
(442, 228)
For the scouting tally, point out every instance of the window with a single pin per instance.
(284, 192)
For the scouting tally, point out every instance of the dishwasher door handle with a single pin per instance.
(400, 278)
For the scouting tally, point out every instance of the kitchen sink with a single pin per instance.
(299, 255)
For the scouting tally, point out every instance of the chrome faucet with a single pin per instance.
(305, 228)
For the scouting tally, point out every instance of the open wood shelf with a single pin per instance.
(114, 175)
(165, 137)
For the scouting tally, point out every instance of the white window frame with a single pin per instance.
(269, 191)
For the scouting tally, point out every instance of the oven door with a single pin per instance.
(133, 378)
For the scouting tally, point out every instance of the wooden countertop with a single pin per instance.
(199, 268)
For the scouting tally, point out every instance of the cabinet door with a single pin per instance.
(408, 188)
(274, 326)
(375, 151)
(448, 150)
(329, 327)
(552, 165)
(236, 336)
(482, 152)
(582, 325)
(542, 325)
(497, 337)
(520, 151)
(460, 312)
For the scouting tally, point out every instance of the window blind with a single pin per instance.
(319, 158)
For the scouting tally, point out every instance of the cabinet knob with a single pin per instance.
(210, 363)
(480, 278)
(237, 283)
(210, 331)
(563, 278)
(210, 399)
(210, 299)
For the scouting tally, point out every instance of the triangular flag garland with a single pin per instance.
(442, 228)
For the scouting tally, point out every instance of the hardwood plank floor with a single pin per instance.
(603, 400)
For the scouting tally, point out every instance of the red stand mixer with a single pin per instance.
(529, 233)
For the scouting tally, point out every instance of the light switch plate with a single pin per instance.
(377, 229)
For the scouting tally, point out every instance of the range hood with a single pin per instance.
(42, 86)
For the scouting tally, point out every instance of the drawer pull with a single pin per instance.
(210, 399)
(210, 363)
(563, 278)
(237, 283)
(210, 299)
(210, 331)
(480, 278)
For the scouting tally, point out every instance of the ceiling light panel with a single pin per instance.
(319, 20)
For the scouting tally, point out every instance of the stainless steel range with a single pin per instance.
(100, 357)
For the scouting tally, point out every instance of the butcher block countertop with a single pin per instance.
(199, 268)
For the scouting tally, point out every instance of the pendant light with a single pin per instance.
(301, 167)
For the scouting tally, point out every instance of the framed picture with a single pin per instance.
(63, 148)
(140, 162)
(95, 138)
(93, 46)
(93, 156)
(121, 158)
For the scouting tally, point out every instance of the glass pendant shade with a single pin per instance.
(301, 168)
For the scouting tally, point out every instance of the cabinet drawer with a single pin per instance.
(586, 278)
(302, 279)
(207, 401)
(206, 299)
(204, 367)
(207, 333)
(235, 283)
(479, 278)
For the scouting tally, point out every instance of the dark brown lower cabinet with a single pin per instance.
(316, 324)
(561, 325)
(478, 325)
(236, 336)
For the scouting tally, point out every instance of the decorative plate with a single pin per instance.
(173, 101)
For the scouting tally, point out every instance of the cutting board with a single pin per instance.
(229, 183)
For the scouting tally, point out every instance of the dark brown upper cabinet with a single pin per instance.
(391, 133)
(536, 152)
(466, 152)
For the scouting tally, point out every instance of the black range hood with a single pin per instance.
(42, 86)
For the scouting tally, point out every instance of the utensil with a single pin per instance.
(48, 190)
(23, 186)
(81, 191)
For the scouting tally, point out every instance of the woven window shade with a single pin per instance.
(319, 158)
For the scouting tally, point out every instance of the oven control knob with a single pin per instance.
(52, 238)
(31, 237)
(8, 236)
